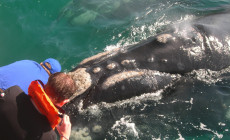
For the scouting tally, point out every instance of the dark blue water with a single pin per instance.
(73, 30)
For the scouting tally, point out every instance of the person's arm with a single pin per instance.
(64, 129)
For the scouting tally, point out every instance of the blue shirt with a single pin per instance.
(22, 73)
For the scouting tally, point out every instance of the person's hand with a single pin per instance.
(64, 128)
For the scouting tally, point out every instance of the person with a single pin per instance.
(36, 115)
(22, 73)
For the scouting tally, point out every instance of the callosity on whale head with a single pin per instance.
(156, 63)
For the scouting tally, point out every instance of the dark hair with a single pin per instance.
(61, 86)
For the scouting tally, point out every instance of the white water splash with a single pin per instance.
(180, 136)
(204, 127)
(125, 126)
(80, 134)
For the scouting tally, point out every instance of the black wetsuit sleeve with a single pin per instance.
(20, 120)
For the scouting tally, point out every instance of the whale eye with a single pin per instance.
(164, 60)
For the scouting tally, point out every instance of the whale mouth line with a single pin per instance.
(84, 81)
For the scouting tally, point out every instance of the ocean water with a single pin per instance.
(71, 30)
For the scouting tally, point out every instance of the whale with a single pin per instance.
(157, 63)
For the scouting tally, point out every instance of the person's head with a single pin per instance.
(60, 87)
(51, 66)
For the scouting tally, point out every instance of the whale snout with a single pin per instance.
(82, 80)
